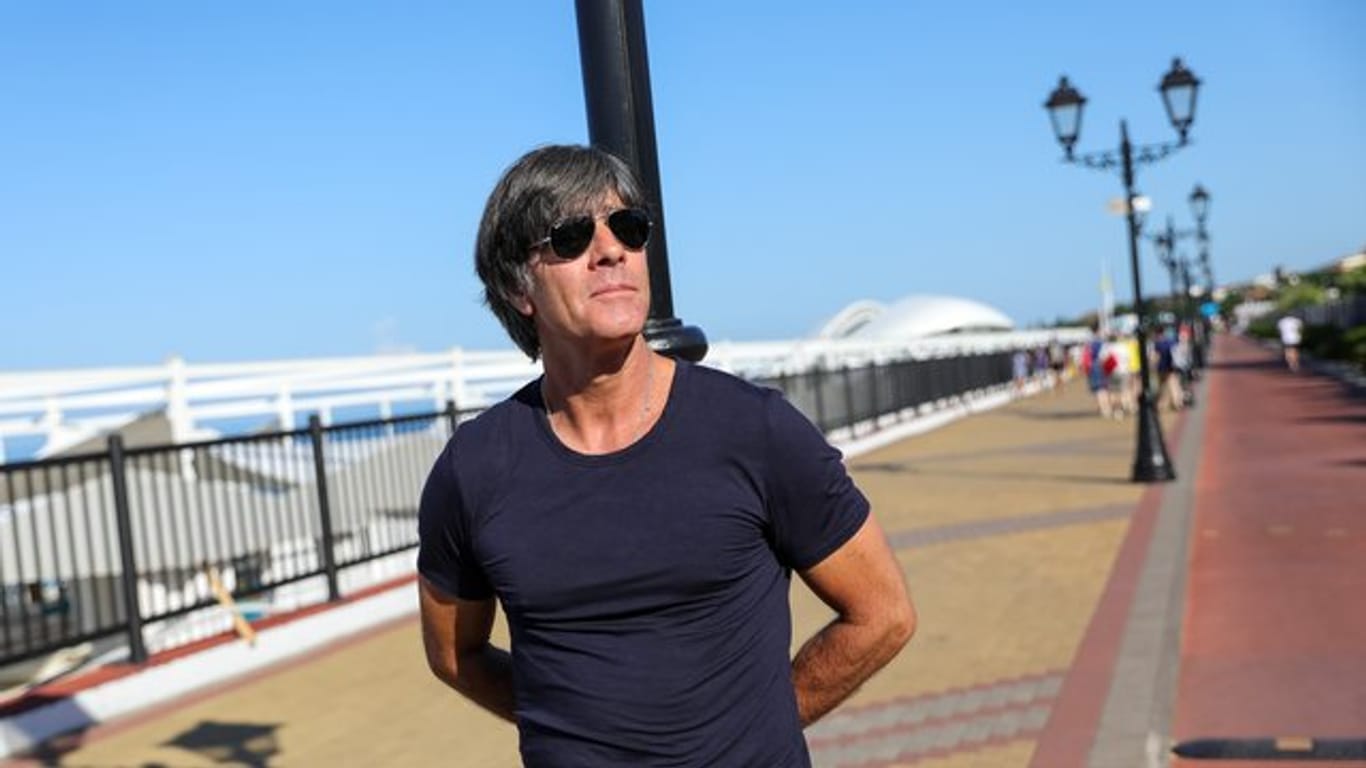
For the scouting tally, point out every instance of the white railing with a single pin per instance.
(67, 407)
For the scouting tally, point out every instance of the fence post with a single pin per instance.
(137, 648)
(900, 369)
(848, 398)
(452, 415)
(820, 399)
(315, 432)
(876, 409)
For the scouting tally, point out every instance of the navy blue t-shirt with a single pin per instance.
(646, 590)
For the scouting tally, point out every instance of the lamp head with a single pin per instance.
(1064, 107)
(1179, 87)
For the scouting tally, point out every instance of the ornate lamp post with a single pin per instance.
(1178, 88)
(1199, 201)
(1165, 241)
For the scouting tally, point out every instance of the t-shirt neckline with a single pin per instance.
(651, 435)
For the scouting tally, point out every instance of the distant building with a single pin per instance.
(913, 317)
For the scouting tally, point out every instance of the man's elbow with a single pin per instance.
(445, 667)
(900, 625)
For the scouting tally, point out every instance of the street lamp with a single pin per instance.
(1165, 241)
(1199, 203)
(1178, 89)
(1199, 200)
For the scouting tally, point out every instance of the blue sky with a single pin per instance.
(237, 181)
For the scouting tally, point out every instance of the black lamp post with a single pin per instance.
(616, 87)
(1165, 240)
(1199, 201)
(1183, 265)
(1178, 89)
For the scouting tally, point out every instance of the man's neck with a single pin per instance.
(604, 403)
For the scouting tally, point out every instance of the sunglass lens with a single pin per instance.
(570, 238)
(631, 226)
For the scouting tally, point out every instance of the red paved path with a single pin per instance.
(1275, 628)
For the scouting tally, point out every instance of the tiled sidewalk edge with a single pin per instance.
(1123, 637)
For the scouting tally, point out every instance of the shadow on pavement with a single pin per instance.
(1337, 418)
(1247, 365)
(1038, 477)
(1089, 413)
(249, 744)
(887, 467)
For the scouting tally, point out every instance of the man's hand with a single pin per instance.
(455, 634)
(863, 583)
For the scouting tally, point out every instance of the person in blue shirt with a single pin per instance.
(638, 519)
(1170, 390)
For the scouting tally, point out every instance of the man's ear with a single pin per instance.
(522, 304)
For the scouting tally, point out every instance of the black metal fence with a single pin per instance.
(849, 397)
(166, 529)
(101, 545)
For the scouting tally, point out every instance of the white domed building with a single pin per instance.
(914, 317)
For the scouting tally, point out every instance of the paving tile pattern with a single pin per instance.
(953, 721)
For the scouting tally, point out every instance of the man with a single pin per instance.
(1170, 391)
(1093, 361)
(637, 518)
(1057, 364)
(1291, 328)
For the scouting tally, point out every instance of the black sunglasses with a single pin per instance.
(570, 238)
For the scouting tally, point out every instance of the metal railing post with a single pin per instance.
(820, 399)
(876, 409)
(849, 398)
(452, 415)
(315, 432)
(137, 648)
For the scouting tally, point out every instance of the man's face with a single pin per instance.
(603, 295)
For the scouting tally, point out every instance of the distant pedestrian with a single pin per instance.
(1057, 364)
(1182, 360)
(1291, 329)
(1019, 370)
(1135, 373)
(1093, 362)
(1119, 375)
(1170, 391)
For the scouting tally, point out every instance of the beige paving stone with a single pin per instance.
(1014, 754)
(990, 609)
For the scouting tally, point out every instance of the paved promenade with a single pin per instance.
(1051, 592)
(1275, 632)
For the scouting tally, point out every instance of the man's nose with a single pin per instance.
(606, 249)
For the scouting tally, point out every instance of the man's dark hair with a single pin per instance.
(543, 187)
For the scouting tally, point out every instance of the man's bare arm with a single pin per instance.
(455, 634)
(863, 583)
